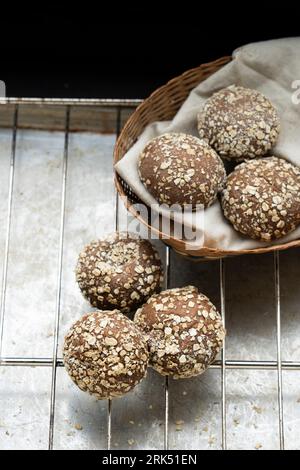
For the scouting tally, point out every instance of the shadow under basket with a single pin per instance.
(162, 105)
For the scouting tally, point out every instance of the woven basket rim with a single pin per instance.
(204, 250)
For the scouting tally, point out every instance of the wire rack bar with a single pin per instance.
(109, 401)
(8, 224)
(73, 101)
(166, 428)
(59, 277)
(109, 410)
(167, 285)
(223, 355)
(229, 364)
(278, 337)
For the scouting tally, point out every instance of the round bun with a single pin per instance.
(121, 271)
(262, 198)
(105, 354)
(184, 331)
(181, 169)
(239, 123)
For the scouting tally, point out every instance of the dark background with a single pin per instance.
(126, 52)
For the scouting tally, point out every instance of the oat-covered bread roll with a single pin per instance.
(184, 331)
(105, 354)
(262, 198)
(181, 169)
(239, 123)
(121, 271)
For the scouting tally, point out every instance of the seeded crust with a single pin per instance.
(239, 123)
(121, 271)
(184, 331)
(105, 354)
(178, 168)
(262, 198)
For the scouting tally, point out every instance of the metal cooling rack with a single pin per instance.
(115, 108)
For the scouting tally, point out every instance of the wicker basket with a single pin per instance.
(162, 105)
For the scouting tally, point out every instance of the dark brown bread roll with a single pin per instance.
(262, 198)
(105, 354)
(184, 331)
(239, 123)
(181, 169)
(121, 271)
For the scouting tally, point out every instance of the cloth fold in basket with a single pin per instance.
(271, 67)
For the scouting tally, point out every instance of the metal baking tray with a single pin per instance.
(56, 195)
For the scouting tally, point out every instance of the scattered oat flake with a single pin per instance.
(150, 407)
(258, 446)
(184, 393)
(179, 422)
(78, 427)
(257, 409)
(131, 442)
(131, 422)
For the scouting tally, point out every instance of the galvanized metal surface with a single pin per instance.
(57, 194)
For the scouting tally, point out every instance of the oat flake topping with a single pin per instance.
(181, 169)
(239, 123)
(184, 331)
(120, 271)
(105, 354)
(262, 198)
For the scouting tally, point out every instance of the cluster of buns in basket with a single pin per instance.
(179, 332)
(237, 126)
